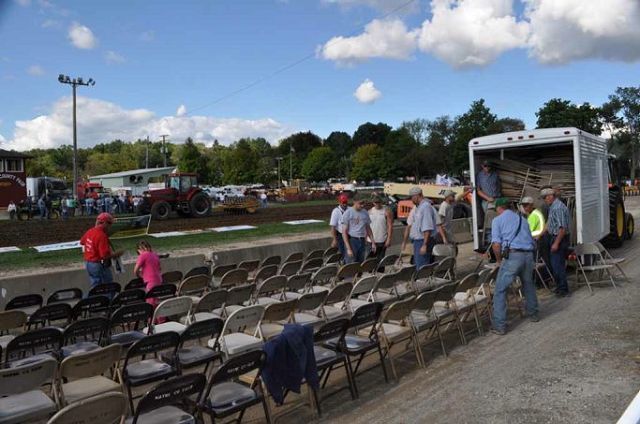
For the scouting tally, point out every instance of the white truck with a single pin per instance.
(573, 162)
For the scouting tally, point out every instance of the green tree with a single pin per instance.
(320, 164)
(369, 163)
(418, 128)
(190, 159)
(369, 133)
(563, 113)
(239, 163)
(403, 154)
(296, 147)
(440, 135)
(504, 125)
(476, 122)
(342, 145)
(622, 115)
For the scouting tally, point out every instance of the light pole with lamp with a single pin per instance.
(279, 159)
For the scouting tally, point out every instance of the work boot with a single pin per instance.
(498, 331)
(534, 318)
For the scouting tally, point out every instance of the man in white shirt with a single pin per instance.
(336, 224)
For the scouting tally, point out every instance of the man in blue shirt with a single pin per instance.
(558, 228)
(511, 237)
(356, 226)
(423, 229)
(488, 190)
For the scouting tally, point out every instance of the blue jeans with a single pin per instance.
(519, 264)
(559, 263)
(98, 273)
(358, 249)
(418, 259)
(341, 248)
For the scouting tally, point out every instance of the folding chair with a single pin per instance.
(21, 397)
(329, 251)
(315, 254)
(11, 323)
(422, 279)
(296, 286)
(271, 260)
(274, 317)
(135, 283)
(327, 359)
(172, 310)
(53, 315)
(295, 257)
(389, 261)
(250, 266)
(290, 268)
(589, 259)
(235, 277)
(444, 271)
(107, 408)
(237, 298)
(210, 306)
(337, 296)
(33, 346)
(90, 307)
(127, 297)
(441, 251)
(145, 371)
(84, 335)
(404, 281)
(361, 293)
(234, 340)
(385, 289)
(218, 271)
(610, 260)
(198, 270)
(190, 352)
(348, 272)
(170, 401)
(226, 395)
(194, 287)
(424, 319)
(270, 290)
(68, 296)
(172, 277)
(82, 376)
(311, 265)
(105, 289)
(162, 292)
(369, 266)
(265, 272)
(129, 320)
(333, 259)
(27, 303)
(465, 300)
(444, 310)
(324, 278)
(543, 272)
(308, 308)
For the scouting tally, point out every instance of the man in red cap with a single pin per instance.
(97, 250)
(336, 223)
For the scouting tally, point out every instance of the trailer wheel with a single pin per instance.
(23, 216)
(629, 225)
(160, 210)
(616, 219)
(200, 205)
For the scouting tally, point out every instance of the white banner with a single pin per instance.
(168, 234)
(58, 246)
(302, 222)
(233, 228)
(10, 249)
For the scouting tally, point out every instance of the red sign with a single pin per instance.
(12, 187)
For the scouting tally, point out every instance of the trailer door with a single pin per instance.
(592, 189)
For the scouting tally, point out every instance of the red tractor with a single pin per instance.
(181, 193)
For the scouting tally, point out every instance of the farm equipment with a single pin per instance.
(240, 204)
(399, 192)
(181, 194)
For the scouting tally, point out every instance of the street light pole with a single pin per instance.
(146, 160)
(279, 179)
(64, 79)
(291, 166)
(164, 149)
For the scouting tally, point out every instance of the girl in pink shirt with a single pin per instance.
(148, 268)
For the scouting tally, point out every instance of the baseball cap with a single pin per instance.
(502, 201)
(343, 199)
(415, 190)
(527, 200)
(448, 193)
(105, 217)
(546, 192)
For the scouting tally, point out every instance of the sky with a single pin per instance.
(226, 69)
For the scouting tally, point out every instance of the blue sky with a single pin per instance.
(151, 57)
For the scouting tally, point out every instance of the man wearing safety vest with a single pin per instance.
(535, 218)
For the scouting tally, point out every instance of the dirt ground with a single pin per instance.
(579, 364)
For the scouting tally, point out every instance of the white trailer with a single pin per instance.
(583, 154)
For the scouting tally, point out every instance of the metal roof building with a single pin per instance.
(136, 179)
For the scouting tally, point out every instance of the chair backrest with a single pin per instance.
(364, 285)
(590, 249)
(219, 270)
(425, 272)
(332, 330)
(211, 301)
(349, 271)
(325, 275)
(280, 311)
(315, 254)
(246, 317)
(236, 366)
(105, 289)
(312, 264)
(128, 297)
(174, 391)
(32, 343)
(240, 294)
(446, 292)
(295, 257)
(444, 268)
(106, 408)
(272, 285)
(135, 283)
(65, 295)
(175, 307)
(386, 281)
(311, 301)
(91, 329)
(90, 306)
(469, 282)
(199, 270)
(340, 293)
(405, 274)
(266, 272)
(271, 260)
(329, 251)
(12, 319)
(172, 277)
(484, 276)
(90, 364)
(163, 291)
(24, 301)
(207, 328)
(388, 260)
(333, 259)
(424, 302)
(366, 315)
(134, 316)
(298, 282)
(444, 250)
(235, 277)
(50, 313)
(193, 286)
(370, 265)
(250, 266)
(399, 310)
(27, 377)
(290, 268)
(154, 343)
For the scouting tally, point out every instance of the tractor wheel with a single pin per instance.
(200, 205)
(23, 215)
(160, 210)
(616, 219)
(54, 214)
(629, 226)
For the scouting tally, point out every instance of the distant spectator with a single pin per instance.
(122, 203)
(64, 206)
(12, 209)
(263, 199)
(88, 205)
(148, 268)
(42, 207)
(108, 204)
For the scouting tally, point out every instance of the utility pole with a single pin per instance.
(279, 179)
(164, 149)
(291, 166)
(64, 79)
(146, 160)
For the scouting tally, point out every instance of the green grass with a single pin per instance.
(29, 258)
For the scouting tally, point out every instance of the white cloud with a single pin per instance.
(82, 37)
(465, 33)
(24, 3)
(147, 36)
(367, 92)
(113, 58)
(387, 39)
(563, 31)
(181, 111)
(401, 6)
(35, 70)
(51, 23)
(100, 121)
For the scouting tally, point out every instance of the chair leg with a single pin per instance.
(350, 378)
(316, 400)
(384, 367)
(353, 376)
(130, 399)
(444, 350)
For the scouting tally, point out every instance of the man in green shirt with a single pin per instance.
(534, 217)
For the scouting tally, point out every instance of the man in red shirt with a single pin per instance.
(97, 251)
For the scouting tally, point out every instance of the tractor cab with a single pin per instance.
(183, 183)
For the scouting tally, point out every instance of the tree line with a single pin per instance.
(419, 148)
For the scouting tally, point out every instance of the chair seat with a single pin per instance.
(235, 343)
(4, 340)
(319, 289)
(164, 415)
(24, 407)
(29, 310)
(393, 331)
(199, 316)
(147, 370)
(614, 261)
(290, 295)
(596, 267)
(303, 318)
(195, 355)
(438, 282)
(353, 343)
(30, 360)
(405, 290)
(80, 347)
(127, 338)
(441, 310)
(231, 309)
(422, 321)
(227, 396)
(270, 330)
(334, 313)
(267, 300)
(353, 303)
(324, 356)
(87, 387)
(167, 326)
(385, 298)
